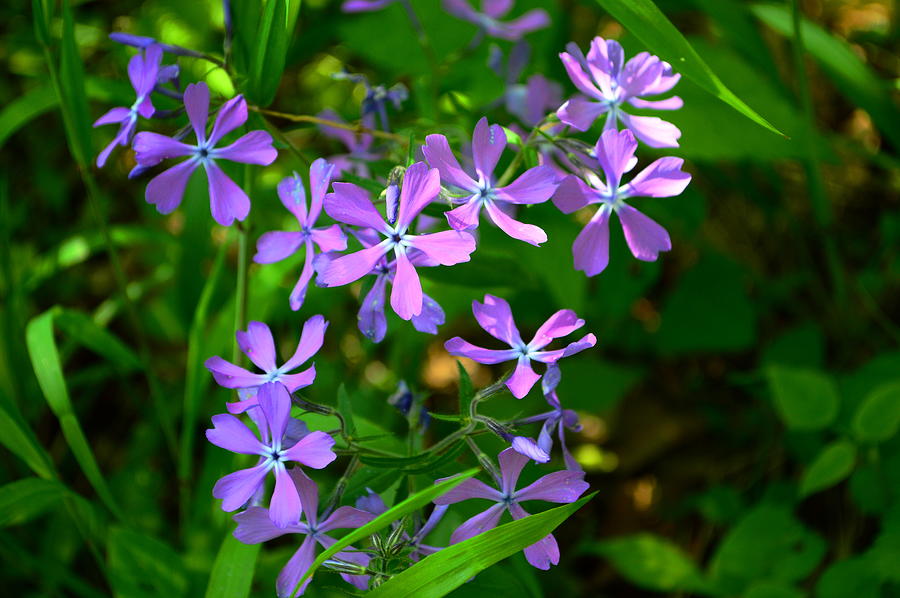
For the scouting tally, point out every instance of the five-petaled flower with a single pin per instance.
(277, 245)
(609, 84)
(275, 448)
(143, 71)
(227, 201)
(488, 20)
(535, 185)
(258, 345)
(495, 316)
(558, 487)
(255, 525)
(350, 204)
(615, 156)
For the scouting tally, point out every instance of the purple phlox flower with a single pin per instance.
(371, 502)
(371, 318)
(488, 20)
(608, 85)
(558, 418)
(255, 526)
(259, 346)
(143, 70)
(403, 399)
(495, 317)
(377, 97)
(420, 550)
(275, 448)
(365, 5)
(227, 201)
(143, 42)
(359, 145)
(351, 204)
(277, 245)
(535, 185)
(558, 487)
(645, 238)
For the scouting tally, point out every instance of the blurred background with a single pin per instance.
(739, 412)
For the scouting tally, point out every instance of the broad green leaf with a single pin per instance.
(21, 441)
(854, 576)
(646, 22)
(414, 502)
(232, 572)
(767, 543)
(80, 327)
(833, 464)
(767, 589)
(805, 399)
(24, 499)
(878, 417)
(143, 567)
(48, 370)
(652, 562)
(273, 39)
(851, 76)
(345, 406)
(443, 571)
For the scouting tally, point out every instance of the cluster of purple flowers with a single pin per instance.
(393, 243)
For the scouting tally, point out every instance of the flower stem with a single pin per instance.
(305, 118)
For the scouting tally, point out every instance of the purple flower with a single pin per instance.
(495, 316)
(350, 204)
(559, 418)
(365, 5)
(359, 145)
(608, 85)
(491, 11)
(277, 245)
(230, 433)
(535, 185)
(532, 101)
(377, 97)
(143, 42)
(255, 525)
(615, 156)
(227, 201)
(420, 550)
(143, 71)
(257, 344)
(558, 487)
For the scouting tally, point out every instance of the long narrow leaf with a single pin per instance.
(21, 441)
(232, 573)
(409, 505)
(647, 23)
(440, 573)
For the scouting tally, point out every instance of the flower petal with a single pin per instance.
(320, 175)
(517, 230)
(346, 518)
(520, 383)
(465, 216)
(543, 553)
(227, 201)
(308, 491)
(517, 28)
(350, 267)
(313, 450)
(152, 148)
(229, 375)
(615, 152)
(284, 508)
(311, 339)
(581, 112)
(431, 317)
(495, 316)
(488, 142)
(529, 448)
(560, 324)
(253, 148)
(330, 238)
(663, 178)
(572, 195)
(166, 189)
(535, 185)
(196, 104)
(470, 488)
(294, 569)
(673, 103)
(115, 116)
(478, 524)
(258, 345)
(232, 114)
(254, 527)
(236, 488)
(292, 194)
(233, 435)
(559, 487)
(298, 293)
(461, 348)
(591, 247)
(421, 186)
(551, 357)
(275, 403)
(371, 319)
(406, 296)
(350, 204)
(439, 155)
(653, 131)
(448, 247)
(511, 464)
(275, 246)
(644, 236)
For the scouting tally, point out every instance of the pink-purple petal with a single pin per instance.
(447, 247)
(166, 189)
(295, 382)
(196, 104)
(581, 112)
(523, 379)
(663, 178)
(152, 148)
(495, 316)
(572, 194)
(275, 403)
(232, 114)
(406, 295)
(653, 131)
(350, 267)
(350, 204)
(229, 375)
(313, 450)
(591, 247)
(517, 230)
(560, 324)
(258, 345)
(645, 238)
(236, 488)
(559, 487)
(535, 185)
(439, 155)
(254, 527)
(346, 518)
(294, 569)
(488, 142)
(275, 246)
(470, 488)
(227, 201)
(465, 216)
(233, 435)
(478, 524)
(253, 148)
(615, 153)
(311, 339)
(284, 508)
(542, 554)
(421, 186)
(459, 347)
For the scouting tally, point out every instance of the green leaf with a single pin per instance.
(853, 576)
(652, 562)
(232, 572)
(489, 271)
(438, 574)
(21, 441)
(273, 39)
(878, 417)
(22, 500)
(805, 399)
(466, 390)
(832, 465)
(646, 22)
(767, 589)
(851, 76)
(20, 111)
(48, 370)
(345, 406)
(73, 98)
(80, 327)
(416, 501)
(143, 567)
